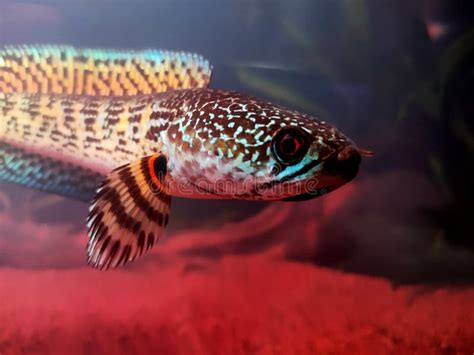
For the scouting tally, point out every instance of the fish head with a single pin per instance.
(254, 150)
(308, 159)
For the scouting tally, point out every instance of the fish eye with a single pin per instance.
(290, 145)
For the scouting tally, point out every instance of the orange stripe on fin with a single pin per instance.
(151, 169)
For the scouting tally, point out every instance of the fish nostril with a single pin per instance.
(348, 162)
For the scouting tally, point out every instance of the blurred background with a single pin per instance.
(397, 76)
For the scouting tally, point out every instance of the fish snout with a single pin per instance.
(345, 163)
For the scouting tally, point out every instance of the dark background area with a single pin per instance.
(396, 76)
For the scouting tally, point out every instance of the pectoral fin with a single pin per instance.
(129, 213)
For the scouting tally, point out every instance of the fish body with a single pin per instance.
(143, 127)
(215, 140)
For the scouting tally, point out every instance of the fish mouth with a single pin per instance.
(322, 185)
(338, 170)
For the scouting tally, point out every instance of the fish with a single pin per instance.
(126, 131)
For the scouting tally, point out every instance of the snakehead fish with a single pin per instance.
(126, 130)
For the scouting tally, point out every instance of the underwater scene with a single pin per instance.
(236, 177)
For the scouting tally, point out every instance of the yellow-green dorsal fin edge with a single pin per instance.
(55, 69)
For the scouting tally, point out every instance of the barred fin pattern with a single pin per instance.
(52, 69)
(129, 212)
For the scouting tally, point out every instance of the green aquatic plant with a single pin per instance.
(356, 19)
(319, 56)
(457, 54)
(462, 131)
(278, 91)
(427, 95)
(437, 169)
(313, 51)
(443, 104)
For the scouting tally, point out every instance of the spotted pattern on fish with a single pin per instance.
(76, 126)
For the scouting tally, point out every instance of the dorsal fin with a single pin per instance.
(68, 70)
